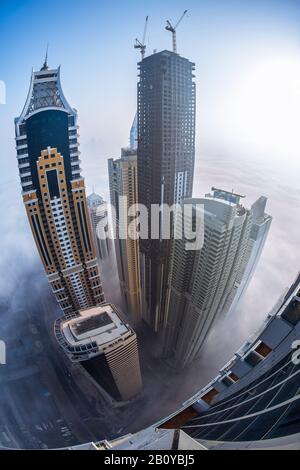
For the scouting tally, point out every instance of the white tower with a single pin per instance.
(204, 284)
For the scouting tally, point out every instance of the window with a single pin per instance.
(229, 379)
(22, 129)
(209, 396)
(226, 381)
(24, 170)
(292, 312)
(233, 376)
(257, 354)
(22, 151)
(252, 359)
(26, 179)
(23, 160)
(263, 349)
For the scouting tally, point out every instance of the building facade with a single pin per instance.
(123, 184)
(205, 282)
(54, 193)
(106, 347)
(253, 403)
(261, 224)
(166, 151)
(133, 134)
(99, 220)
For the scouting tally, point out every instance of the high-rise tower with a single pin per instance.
(261, 223)
(166, 150)
(54, 193)
(133, 134)
(99, 219)
(205, 283)
(106, 347)
(123, 184)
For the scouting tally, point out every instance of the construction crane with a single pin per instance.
(171, 28)
(141, 44)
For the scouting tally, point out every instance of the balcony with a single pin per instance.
(292, 312)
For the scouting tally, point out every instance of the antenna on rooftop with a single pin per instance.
(45, 64)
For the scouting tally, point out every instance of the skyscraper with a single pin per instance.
(106, 347)
(253, 402)
(259, 231)
(204, 283)
(123, 184)
(133, 134)
(54, 193)
(166, 150)
(99, 219)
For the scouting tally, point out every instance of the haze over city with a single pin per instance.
(247, 75)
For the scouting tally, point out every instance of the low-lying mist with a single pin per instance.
(23, 283)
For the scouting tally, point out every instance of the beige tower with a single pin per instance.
(123, 183)
(106, 347)
(54, 193)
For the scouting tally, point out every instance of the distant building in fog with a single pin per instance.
(206, 283)
(98, 215)
(133, 134)
(259, 231)
(123, 183)
(106, 347)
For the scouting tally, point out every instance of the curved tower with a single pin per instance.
(54, 193)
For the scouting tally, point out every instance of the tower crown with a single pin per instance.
(45, 92)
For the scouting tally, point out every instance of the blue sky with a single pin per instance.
(93, 41)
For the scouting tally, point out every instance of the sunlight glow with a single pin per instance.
(263, 110)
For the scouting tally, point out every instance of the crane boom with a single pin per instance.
(180, 19)
(145, 30)
(141, 44)
(172, 29)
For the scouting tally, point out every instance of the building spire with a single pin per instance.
(45, 65)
